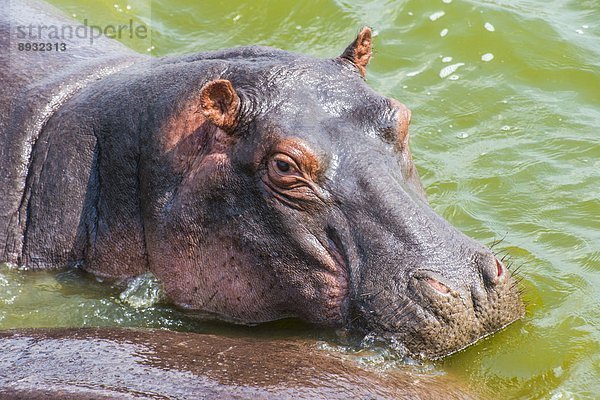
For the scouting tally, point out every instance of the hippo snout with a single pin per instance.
(443, 311)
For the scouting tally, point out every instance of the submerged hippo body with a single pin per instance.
(146, 364)
(255, 183)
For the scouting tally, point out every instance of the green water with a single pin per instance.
(507, 147)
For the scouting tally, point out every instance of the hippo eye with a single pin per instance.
(290, 174)
(283, 171)
(282, 166)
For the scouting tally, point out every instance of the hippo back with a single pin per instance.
(34, 85)
(150, 364)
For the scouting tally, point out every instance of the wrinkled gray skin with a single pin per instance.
(174, 166)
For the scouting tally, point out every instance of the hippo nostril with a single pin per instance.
(437, 285)
(499, 268)
(492, 272)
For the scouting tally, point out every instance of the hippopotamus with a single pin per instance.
(255, 184)
(105, 363)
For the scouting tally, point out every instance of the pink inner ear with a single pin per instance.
(363, 48)
(359, 52)
(220, 103)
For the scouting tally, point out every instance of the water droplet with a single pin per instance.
(585, 26)
(446, 59)
(237, 18)
(579, 31)
(450, 69)
(489, 27)
(398, 347)
(462, 135)
(437, 15)
(447, 1)
(298, 27)
(368, 340)
(561, 394)
(410, 13)
(487, 57)
(128, 7)
(444, 32)
(506, 128)
(453, 77)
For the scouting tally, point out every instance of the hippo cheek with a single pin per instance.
(218, 279)
(224, 278)
(323, 283)
(326, 297)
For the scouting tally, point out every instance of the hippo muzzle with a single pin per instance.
(416, 281)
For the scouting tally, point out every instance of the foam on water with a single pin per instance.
(450, 69)
(437, 15)
(142, 291)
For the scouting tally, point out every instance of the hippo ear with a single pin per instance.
(220, 104)
(359, 51)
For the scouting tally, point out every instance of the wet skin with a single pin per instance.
(151, 364)
(255, 183)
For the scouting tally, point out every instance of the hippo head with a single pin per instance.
(297, 197)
